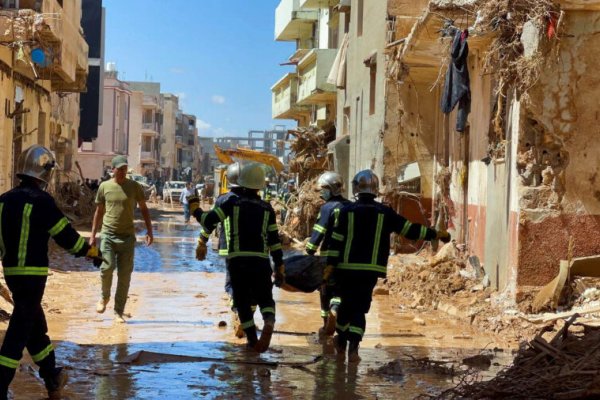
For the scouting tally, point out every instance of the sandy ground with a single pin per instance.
(177, 307)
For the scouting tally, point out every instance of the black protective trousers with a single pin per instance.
(27, 329)
(251, 284)
(355, 289)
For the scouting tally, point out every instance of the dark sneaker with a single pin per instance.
(55, 384)
(265, 336)
(353, 356)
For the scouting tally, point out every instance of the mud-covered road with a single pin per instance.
(181, 323)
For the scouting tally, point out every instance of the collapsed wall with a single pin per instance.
(559, 155)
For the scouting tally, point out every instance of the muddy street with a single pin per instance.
(179, 341)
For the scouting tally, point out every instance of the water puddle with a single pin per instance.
(181, 323)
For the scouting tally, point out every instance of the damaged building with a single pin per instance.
(479, 116)
(43, 68)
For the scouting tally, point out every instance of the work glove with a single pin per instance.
(201, 250)
(194, 203)
(279, 275)
(95, 255)
(444, 236)
(310, 252)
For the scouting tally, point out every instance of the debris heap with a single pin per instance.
(309, 151)
(76, 201)
(567, 366)
(302, 211)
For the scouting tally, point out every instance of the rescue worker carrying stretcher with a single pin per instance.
(361, 244)
(28, 218)
(252, 236)
(233, 173)
(331, 185)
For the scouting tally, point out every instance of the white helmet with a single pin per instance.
(252, 176)
(36, 162)
(365, 182)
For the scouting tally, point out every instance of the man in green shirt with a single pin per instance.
(116, 200)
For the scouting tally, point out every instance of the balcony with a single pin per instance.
(313, 70)
(148, 157)
(150, 101)
(57, 29)
(179, 141)
(292, 22)
(306, 4)
(150, 128)
(284, 97)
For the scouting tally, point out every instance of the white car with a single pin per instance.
(172, 190)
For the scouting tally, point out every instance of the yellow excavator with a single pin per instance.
(229, 156)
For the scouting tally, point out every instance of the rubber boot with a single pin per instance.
(251, 338)
(340, 345)
(55, 384)
(353, 356)
(266, 334)
(6, 377)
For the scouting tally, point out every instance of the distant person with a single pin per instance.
(116, 200)
(183, 199)
(28, 218)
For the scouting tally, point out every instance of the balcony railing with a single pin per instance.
(313, 70)
(148, 155)
(284, 97)
(292, 22)
(150, 126)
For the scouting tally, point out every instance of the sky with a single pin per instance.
(218, 56)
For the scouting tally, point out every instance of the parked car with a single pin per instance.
(172, 190)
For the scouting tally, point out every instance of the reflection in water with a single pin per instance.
(178, 313)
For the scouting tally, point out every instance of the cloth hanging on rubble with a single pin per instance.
(457, 88)
(337, 75)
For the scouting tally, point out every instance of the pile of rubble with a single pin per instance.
(76, 201)
(554, 365)
(302, 211)
(309, 151)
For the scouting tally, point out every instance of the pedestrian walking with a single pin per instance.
(28, 218)
(331, 186)
(183, 199)
(359, 254)
(251, 237)
(116, 200)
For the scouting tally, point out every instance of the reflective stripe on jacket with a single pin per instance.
(28, 218)
(362, 237)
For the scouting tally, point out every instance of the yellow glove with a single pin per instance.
(280, 275)
(443, 236)
(96, 256)
(327, 272)
(201, 250)
(92, 252)
(194, 203)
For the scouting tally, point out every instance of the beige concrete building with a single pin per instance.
(305, 95)
(113, 134)
(48, 57)
(168, 145)
(145, 128)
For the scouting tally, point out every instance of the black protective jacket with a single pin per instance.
(28, 218)
(225, 225)
(361, 240)
(253, 230)
(323, 228)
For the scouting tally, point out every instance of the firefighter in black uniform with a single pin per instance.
(252, 236)
(331, 185)
(362, 242)
(28, 218)
(233, 173)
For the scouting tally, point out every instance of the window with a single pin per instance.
(147, 144)
(359, 17)
(372, 88)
